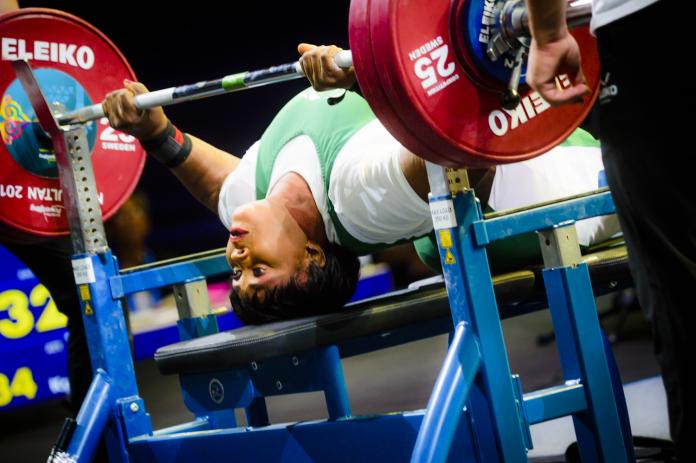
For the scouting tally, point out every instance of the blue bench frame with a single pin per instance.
(476, 412)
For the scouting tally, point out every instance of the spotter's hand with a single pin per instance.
(322, 72)
(119, 108)
(551, 59)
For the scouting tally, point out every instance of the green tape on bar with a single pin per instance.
(234, 81)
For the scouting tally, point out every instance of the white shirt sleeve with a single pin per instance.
(561, 172)
(370, 194)
(239, 187)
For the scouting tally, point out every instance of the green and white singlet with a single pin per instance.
(351, 164)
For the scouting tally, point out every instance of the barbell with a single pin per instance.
(441, 75)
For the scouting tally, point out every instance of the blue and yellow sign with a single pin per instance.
(33, 338)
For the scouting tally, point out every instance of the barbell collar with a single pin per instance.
(514, 20)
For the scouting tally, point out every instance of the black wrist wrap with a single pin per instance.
(171, 147)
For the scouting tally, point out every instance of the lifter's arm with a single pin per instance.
(204, 172)
(415, 172)
(205, 169)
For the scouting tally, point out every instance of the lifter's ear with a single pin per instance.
(315, 253)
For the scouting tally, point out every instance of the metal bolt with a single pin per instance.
(254, 366)
(295, 361)
(279, 385)
(134, 407)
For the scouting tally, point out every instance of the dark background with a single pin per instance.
(169, 44)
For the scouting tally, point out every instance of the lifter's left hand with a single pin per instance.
(321, 70)
(119, 108)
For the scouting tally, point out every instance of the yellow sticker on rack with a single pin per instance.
(449, 258)
(88, 309)
(84, 293)
(445, 239)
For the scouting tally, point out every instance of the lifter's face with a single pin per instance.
(266, 247)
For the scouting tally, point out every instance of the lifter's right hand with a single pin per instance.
(119, 108)
(321, 70)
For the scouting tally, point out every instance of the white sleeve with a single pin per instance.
(561, 172)
(239, 187)
(369, 192)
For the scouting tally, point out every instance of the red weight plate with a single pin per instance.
(439, 104)
(370, 85)
(76, 65)
(409, 135)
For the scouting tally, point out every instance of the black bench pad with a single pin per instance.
(516, 293)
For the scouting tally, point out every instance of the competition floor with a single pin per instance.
(398, 378)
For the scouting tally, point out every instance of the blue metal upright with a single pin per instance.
(110, 354)
(583, 359)
(588, 395)
(105, 325)
(472, 301)
(92, 419)
(449, 394)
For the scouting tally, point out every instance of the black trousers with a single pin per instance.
(646, 151)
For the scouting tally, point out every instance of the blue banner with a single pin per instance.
(33, 338)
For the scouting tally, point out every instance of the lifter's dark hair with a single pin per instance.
(324, 290)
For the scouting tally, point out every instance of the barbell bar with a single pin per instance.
(228, 84)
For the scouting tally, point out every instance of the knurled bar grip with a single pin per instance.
(227, 84)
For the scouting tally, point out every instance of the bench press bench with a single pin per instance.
(401, 316)
(476, 412)
(239, 368)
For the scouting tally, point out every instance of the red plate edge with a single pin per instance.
(14, 232)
